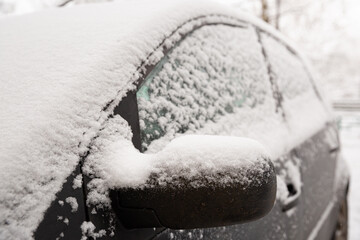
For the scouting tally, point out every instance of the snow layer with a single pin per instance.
(188, 157)
(62, 73)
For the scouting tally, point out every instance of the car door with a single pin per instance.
(214, 81)
(317, 144)
(217, 79)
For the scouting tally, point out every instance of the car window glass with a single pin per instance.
(211, 73)
(304, 111)
(288, 70)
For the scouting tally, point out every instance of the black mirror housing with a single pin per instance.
(208, 199)
(186, 207)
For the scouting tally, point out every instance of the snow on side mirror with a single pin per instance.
(198, 181)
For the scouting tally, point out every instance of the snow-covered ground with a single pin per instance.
(350, 137)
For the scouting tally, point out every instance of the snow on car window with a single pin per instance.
(288, 70)
(210, 74)
(216, 81)
(305, 113)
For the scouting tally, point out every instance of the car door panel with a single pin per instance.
(318, 169)
(165, 109)
(307, 118)
(66, 213)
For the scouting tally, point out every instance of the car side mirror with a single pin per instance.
(201, 181)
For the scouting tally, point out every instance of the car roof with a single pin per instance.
(62, 73)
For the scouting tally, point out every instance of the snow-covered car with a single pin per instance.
(163, 120)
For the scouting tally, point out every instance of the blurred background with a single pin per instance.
(327, 31)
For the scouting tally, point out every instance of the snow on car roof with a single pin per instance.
(60, 69)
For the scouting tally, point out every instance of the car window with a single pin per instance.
(288, 70)
(211, 73)
(302, 105)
